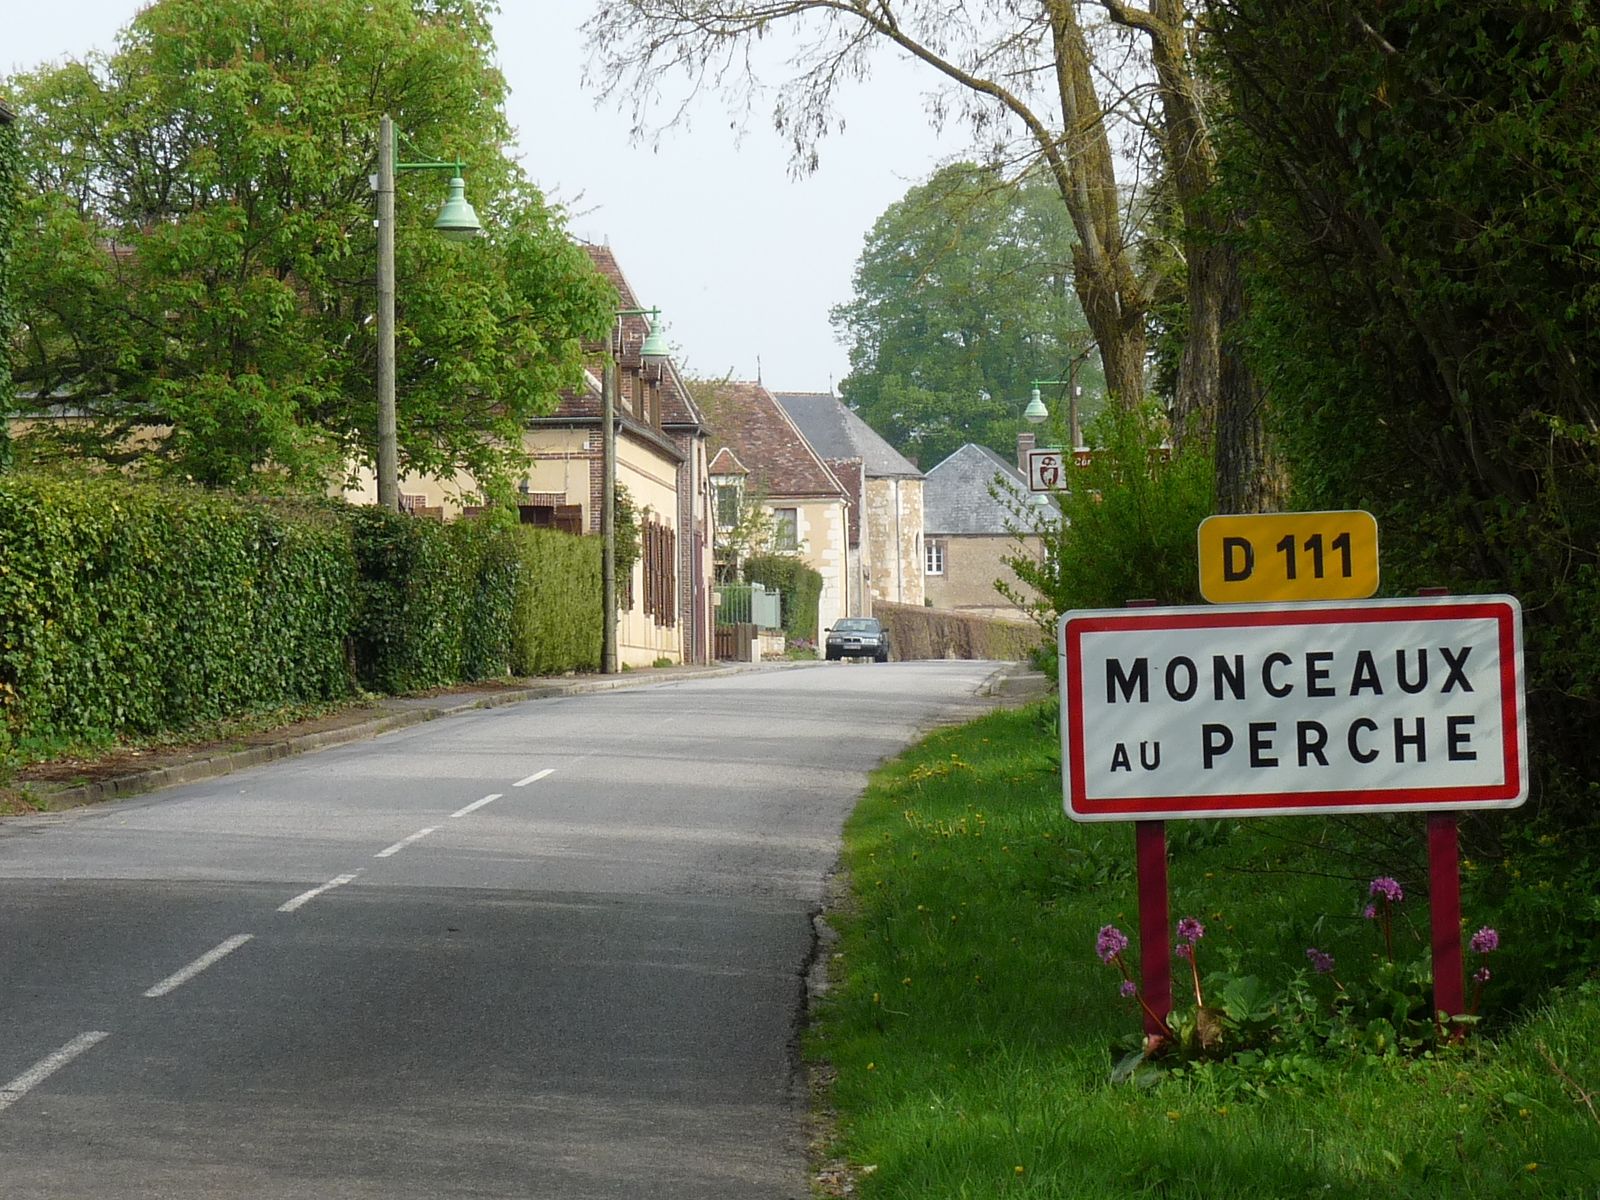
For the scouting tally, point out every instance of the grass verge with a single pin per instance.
(971, 1031)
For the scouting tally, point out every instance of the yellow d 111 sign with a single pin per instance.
(1289, 556)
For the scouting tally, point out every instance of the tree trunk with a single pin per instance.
(1249, 475)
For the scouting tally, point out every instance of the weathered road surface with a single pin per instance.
(552, 950)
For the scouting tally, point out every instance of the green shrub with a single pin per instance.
(801, 588)
(436, 602)
(136, 608)
(555, 624)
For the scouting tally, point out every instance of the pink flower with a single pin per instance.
(1388, 888)
(1128, 988)
(1370, 912)
(1321, 962)
(1110, 943)
(1485, 941)
(1481, 976)
(1184, 950)
(1190, 930)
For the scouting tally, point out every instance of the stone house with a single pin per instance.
(759, 457)
(891, 541)
(969, 510)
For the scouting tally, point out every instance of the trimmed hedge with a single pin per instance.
(434, 601)
(555, 626)
(10, 187)
(135, 608)
(801, 587)
(919, 632)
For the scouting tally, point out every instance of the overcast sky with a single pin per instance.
(743, 261)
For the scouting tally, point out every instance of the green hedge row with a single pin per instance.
(801, 587)
(556, 626)
(135, 609)
(10, 185)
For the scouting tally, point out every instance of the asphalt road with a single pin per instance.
(549, 950)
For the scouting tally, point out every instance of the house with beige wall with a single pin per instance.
(759, 457)
(892, 495)
(662, 463)
(971, 503)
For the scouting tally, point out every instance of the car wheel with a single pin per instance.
(830, 656)
(881, 656)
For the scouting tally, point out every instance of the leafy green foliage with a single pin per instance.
(1425, 275)
(197, 253)
(133, 609)
(1127, 525)
(963, 297)
(10, 177)
(801, 587)
(556, 625)
(137, 608)
(969, 1026)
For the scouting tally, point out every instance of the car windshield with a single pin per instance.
(851, 626)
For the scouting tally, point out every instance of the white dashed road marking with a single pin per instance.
(404, 842)
(48, 1066)
(307, 897)
(215, 954)
(476, 804)
(535, 777)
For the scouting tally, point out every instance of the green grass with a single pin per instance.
(973, 1031)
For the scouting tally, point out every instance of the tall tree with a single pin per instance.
(196, 265)
(963, 296)
(1025, 75)
(1425, 267)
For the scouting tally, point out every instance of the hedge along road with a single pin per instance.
(549, 950)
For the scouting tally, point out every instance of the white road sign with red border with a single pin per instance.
(1400, 705)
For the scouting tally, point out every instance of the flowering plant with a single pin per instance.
(1387, 1011)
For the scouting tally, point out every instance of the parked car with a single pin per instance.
(857, 637)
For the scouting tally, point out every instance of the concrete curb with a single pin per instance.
(401, 713)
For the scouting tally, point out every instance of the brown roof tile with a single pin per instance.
(851, 473)
(745, 419)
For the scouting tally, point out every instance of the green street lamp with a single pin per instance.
(654, 347)
(456, 221)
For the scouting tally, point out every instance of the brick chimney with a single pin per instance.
(1025, 442)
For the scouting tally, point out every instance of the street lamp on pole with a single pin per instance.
(456, 221)
(654, 347)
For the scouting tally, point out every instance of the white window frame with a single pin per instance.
(780, 529)
(933, 556)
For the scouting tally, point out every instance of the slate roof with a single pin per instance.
(956, 499)
(745, 419)
(836, 432)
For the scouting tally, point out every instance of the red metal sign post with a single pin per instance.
(1444, 902)
(1155, 946)
(1155, 941)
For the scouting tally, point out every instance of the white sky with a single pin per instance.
(742, 260)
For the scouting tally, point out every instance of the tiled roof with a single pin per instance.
(726, 462)
(745, 419)
(677, 406)
(848, 472)
(956, 494)
(836, 432)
